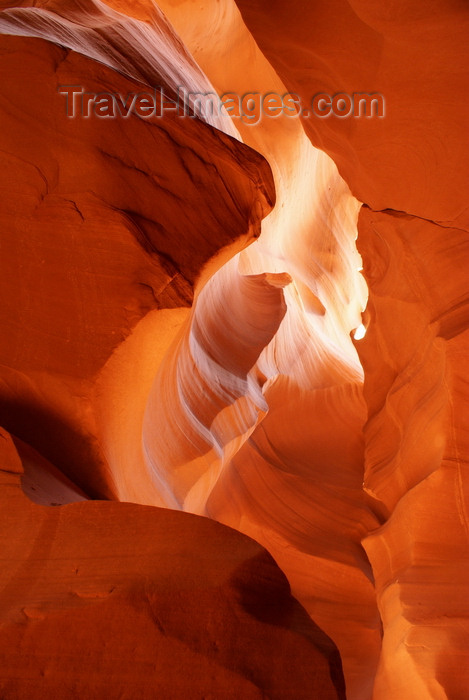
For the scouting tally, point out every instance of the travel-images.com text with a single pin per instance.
(250, 107)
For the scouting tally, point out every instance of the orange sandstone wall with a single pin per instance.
(178, 299)
(411, 171)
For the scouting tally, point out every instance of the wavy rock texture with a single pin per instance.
(149, 356)
(416, 451)
(182, 606)
(87, 243)
(274, 484)
(415, 263)
(412, 53)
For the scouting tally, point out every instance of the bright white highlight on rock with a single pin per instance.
(360, 332)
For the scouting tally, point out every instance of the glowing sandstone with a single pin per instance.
(416, 345)
(269, 482)
(249, 407)
(87, 245)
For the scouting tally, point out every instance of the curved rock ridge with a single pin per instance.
(213, 390)
(216, 397)
(182, 607)
(411, 166)
(171, 338)
(87, 245)
(413, 54)
(147, 51)
(267, 480)
(42, 482)
(416, 450)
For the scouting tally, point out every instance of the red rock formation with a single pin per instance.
(411, 53)
(87, 245)
(276, 483)
(416, 449)
(147, 370)
(415, 264)
(145, 602)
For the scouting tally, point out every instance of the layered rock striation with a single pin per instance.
(179, 340)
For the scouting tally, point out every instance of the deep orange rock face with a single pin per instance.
(97, 218)
(209, 321)
(414, 56)
(105, 599)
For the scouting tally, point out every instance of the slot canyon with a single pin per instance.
(233, 352)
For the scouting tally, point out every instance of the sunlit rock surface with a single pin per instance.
(150, 355)
(415, 259)
(416, 451)
(87, 240)
(277, 482)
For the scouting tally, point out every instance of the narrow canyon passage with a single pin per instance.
(232, 386)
